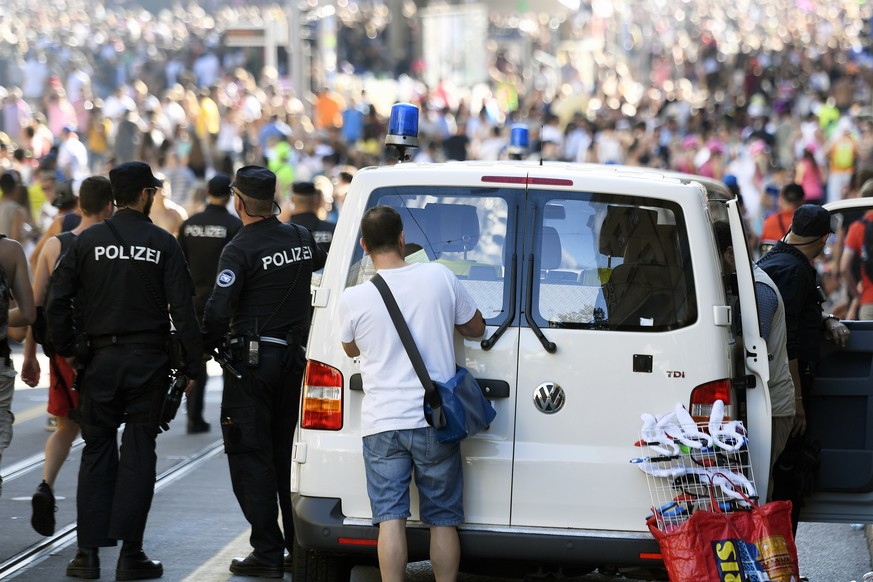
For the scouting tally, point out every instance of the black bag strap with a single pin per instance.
(431, 395)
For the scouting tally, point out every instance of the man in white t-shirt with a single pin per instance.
(396, 436)
(72, 155)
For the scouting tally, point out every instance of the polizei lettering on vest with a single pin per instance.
(286, 257)
(128, 253)
(206, 231)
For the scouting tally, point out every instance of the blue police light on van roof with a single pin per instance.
(518, 140)
(403, 126)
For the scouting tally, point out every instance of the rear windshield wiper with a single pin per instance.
(549, 346)
(489, 342)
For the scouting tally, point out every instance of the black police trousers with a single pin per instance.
(194, 400)
(121, 384)
(258, 416)
(794, 470)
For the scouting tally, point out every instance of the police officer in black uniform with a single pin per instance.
(261, 301)
(124, 273)
(307, 201)
(202, 238)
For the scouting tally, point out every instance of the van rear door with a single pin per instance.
(841, 405)
(755, 356)
(613, 327)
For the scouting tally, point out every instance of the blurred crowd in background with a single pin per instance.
(757, 94)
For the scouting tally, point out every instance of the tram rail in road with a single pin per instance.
(67, 535)
(29, 464)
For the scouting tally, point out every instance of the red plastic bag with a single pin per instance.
(742, 546)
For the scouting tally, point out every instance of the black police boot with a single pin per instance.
(43, 517)
(253, 566)
(85, 565)
(133, 564)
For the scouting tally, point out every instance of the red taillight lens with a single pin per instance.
(322, 398)
(703, 397)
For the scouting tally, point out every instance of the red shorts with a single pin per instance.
(61, 394)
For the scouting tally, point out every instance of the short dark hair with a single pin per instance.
(127, 197)
(94, 194)
(793, 192)
(255, 206)
(381, 228)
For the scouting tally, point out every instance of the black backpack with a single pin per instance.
(39, 328)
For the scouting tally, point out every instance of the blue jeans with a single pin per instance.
(391, 456)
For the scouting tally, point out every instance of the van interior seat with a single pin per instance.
(440, 227)
(649, 284)
(551, 257)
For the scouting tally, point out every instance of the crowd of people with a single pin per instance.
(105, 85)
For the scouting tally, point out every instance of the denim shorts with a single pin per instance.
(390, 458)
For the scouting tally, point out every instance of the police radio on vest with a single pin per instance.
(128, 253)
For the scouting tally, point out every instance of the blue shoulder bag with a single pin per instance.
(456, 409)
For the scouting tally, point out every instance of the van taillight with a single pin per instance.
(322, 397)
(703, 397)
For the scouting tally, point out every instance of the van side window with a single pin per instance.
(607, 262)
(465, 229)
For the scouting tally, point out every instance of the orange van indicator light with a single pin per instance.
(322, 406)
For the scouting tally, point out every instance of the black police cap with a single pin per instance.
(256, 182)
(132, 176)
(303, 188)
(219, 185)
(811, 220)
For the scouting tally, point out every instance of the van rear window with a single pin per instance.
(612, 263)
(583, 260)
(463, 228)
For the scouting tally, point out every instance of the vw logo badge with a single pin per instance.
(549, 398)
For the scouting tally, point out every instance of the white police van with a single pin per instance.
(604, 297)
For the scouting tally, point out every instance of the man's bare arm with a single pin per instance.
(351, 349)
(473, 328)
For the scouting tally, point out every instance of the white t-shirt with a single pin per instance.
(432, 302)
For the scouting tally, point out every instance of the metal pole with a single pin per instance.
(296, 62)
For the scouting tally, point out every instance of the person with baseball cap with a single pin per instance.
(260, 307)
(789, 265)
(202, 238)
(129, 278)
(308, 200)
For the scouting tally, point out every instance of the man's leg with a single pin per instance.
(445, 553)
(57, 449)
(392, 550)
